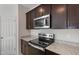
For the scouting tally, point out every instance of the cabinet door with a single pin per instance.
(73, 16)
(34, 51)
(32, 18)
(58, 16)
(24, 47)
(47, 52)
(43, 9)
(28, 20)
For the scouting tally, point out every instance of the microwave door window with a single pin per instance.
(39, 23)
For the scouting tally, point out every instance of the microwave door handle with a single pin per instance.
(44, 22)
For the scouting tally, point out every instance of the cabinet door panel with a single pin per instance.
(73, 16)
(58, 13)
(32, 18)
(34, 51)
(43, 9)
(28, 19)
(24, 47)
(50, 53)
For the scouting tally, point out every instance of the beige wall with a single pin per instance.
(22, 21)
(22, 25)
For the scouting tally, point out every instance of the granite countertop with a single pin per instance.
(28, 37)
(63, 49)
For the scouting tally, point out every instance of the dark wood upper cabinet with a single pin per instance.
(62, 16)
(32, 16)
(73, 16)
(58, 16)
(43, 9)
(28, 20)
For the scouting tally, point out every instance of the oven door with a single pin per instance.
(35, 50)
(37, 47)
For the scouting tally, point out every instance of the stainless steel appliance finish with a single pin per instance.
(48, 38)
(42, 22)
(37, 47)
(43, 41)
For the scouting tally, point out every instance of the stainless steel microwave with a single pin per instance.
(42, 22)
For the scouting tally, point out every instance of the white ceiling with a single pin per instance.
(30, 6)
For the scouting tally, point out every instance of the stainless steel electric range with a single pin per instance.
(42, 41)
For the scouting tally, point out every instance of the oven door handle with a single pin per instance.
(37, 47)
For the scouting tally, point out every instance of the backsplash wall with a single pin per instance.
(71, 35)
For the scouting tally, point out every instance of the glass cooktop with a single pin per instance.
(39, 43)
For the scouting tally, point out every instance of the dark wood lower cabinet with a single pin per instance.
(34, 51)
(26, 49)
(47, 52)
